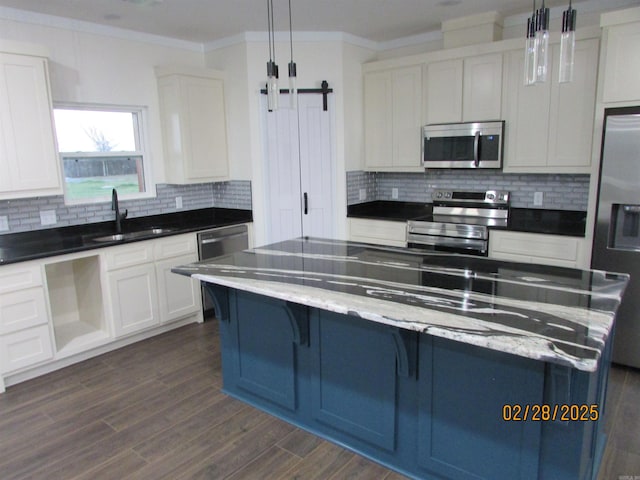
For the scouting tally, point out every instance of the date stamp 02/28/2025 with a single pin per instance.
(544, 413)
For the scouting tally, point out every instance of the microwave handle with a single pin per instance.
(476, 149)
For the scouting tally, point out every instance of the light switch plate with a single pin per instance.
(394, 193)
(48, 217)
(537, 199)
(362, 194)
(4, 223)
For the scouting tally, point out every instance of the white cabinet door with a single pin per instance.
(134, 298)
(482, 88)
(29, 164)
(381, 232)
(526, 118)
(444, 91)
(573, 109)
(179, 295)
(556, 250)
(22, 309)
(622, 63)
(194, 128)
(393, 119)
(378, 132)
(407, 116)
(25, 348)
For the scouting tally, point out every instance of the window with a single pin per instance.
(101, 148)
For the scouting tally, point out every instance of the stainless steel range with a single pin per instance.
(460, 221)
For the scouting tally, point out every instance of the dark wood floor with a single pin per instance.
(154, 410)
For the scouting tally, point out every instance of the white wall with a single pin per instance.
(106, 69)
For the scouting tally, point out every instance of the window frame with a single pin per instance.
(140, 120)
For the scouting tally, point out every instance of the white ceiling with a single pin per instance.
(207, 21)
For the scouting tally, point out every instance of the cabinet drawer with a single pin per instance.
(535, 248)
(378, 231)
(25, 348)
(22, 309)
(175, 246)
(18, 278)
(129, 255)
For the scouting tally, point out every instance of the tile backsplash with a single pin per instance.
(560, 192)
(24, 214)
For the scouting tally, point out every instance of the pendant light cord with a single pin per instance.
(290, 31)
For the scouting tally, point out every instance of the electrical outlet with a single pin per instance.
(4, 223)
(394, 193)
(178, 202)
(362, 193)
(48, 217)
(537, 199)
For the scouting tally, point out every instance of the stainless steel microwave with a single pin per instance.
(463, 145)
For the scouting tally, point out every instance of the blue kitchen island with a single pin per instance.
(435, 365)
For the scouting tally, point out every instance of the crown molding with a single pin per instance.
(53, 21)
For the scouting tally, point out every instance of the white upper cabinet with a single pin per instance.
(393, 119)
(621, 70)
(444, 91)
(194, 126)
(464, 89)
(549, 126)
(482, 88)
(29, 164)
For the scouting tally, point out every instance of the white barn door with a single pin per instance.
(300, 170)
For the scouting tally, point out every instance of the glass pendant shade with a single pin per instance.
(542, 44)
(567, 45)
(273, 93)
(530, 52)
(293, 86)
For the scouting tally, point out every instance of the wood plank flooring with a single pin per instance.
(154, 410)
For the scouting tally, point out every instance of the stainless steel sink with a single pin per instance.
(117, 237)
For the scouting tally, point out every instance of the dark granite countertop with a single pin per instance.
(529, 220)
(547, 313)
(22, 246)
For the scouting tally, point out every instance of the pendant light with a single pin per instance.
(542, 43)
(567, 45)
(530, 50)
(293, 87)
(273, 93)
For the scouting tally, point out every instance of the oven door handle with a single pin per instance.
(436, 241)
(476, 149)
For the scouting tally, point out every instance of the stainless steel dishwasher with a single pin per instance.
(220, 241)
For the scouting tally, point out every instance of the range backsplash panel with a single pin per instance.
(560, 192)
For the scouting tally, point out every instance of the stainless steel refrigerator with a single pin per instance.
(616, 243)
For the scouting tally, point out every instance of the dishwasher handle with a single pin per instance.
(206, 241)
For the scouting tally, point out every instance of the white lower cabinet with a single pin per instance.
(556, 250)
(144, 292)
(381, 232)
(134, 299)
(25, 348)
(180, 295)
(25, 337)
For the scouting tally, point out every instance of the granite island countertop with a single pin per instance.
(551, 314)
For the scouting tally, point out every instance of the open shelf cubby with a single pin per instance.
(75, 295)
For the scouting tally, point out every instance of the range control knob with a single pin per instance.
(490, 196)
(447, 195)
(439, 195)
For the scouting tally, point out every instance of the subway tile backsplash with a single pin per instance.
(560, 192)
(24, 214)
